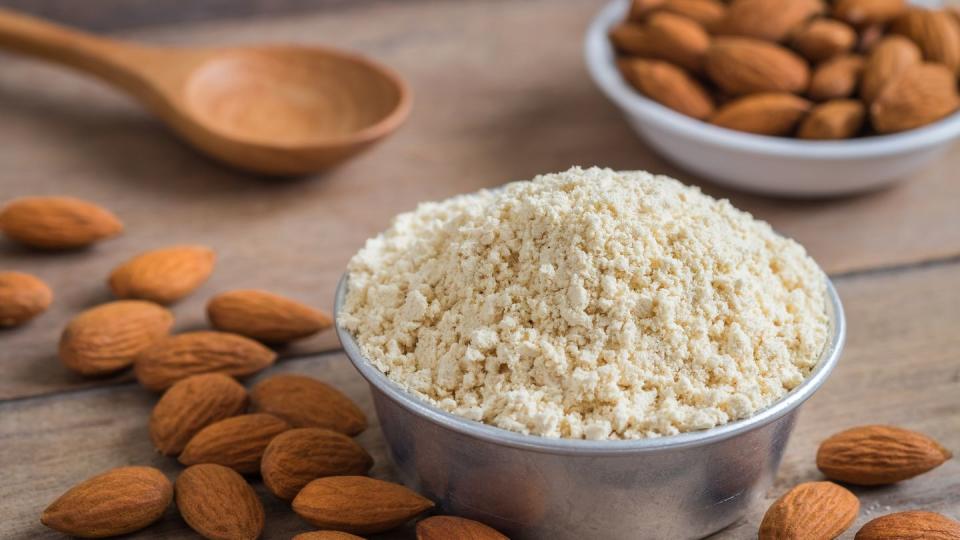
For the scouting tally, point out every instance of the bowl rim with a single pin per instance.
(599, 55)
(503, 437)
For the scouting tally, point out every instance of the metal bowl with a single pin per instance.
(682, 486)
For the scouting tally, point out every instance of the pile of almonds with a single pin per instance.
(806, 68)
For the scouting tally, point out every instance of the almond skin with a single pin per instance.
(668, 85)
(57, 222)
(108, 338)
(836, 78)
(912, 524)
(177, 357)
(866, 12)
(877, 455)
(770, 20)
(822, 39)
(306, 402)
(451, 527)
(326, 535)
(889, 58)
(936, 32)
(119, 501)
(22, 297)
(265, 316)
(192, 404)
(665, 36)
(218, 503)
(810, 510)
(763, 114)
(837, 119)
(358, 504)
(921, 94)
(295, 457)
(237, 442)
(163, 275)
(747, 66)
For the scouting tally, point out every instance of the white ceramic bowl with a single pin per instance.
(770, 165)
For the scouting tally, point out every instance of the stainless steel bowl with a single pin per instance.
(683, 486)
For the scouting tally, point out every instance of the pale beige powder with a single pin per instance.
(588, 304)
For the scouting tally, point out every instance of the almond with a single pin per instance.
(192, 404)
(237, 442)
(707, 13)
(877, 455)
(912, 524)
(921, 94)
(763, 114)
(326, 535)
(746, 66)
(936, 32)
(836, 78)
(306, 402)
(771, 20)
(889, 58)
(837, 119)
(450, 527)
(265, 316)
(865, 12)
(822, 39)
(668, 85)
(116, 502)
(163, 275)
(639, 9)
(630, 38)
(22, 297)
(218, 503)
(57, 222)
(664, 36)
(358, 504)
(869, 37)
(810, 510)
(294, 458)
(177, 357)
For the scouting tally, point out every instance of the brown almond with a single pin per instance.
(822, 39)
(763, 114)
(836, 78)
(326, 535)
(22, 297)
(306, 402)
(664, 36)
(295, 457)
(889, 58)
(119, 501)
(810, 510)
(668, 85)
(869, 37)
(451, 527)
(177, 357)
(770, 20)
(57, 222)
(876, 455)
(837, 119)
(747, 66)
(218, 503)
(191, 405)
(163, 275)
(865, 12)
(707, 13)
(358, 504)
(936, 32)
(265, 316)
(912, 524)
(639, 9)
(237, 442)
(108, 337)
(921, 94)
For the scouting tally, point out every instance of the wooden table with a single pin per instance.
(501, 94)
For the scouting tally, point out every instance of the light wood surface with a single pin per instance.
(501, 94)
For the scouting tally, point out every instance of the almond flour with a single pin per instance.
(588, 304)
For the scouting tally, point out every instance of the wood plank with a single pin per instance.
(900, 367)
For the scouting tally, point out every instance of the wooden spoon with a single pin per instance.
(280, 110)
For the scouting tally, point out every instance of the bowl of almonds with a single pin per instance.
(785, 97)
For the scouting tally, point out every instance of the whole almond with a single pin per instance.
(837, 119)
(451, 527)
(116, 502)
(326, 535)
(763, 114)
(306, 402)
(668, 85)
(877, 455)
(746, 66)
(771, 20)
(237, 442)
(912, 524)
(936, 32)
(218, 503)
(177, 357)
(163, 275)
(265, 316)
(639, 9)
(707, 13)
(810, 510)
(57, 222)
(822, 39)
(836, 78)
(295, 457)
(358, 504)
(664, 36)
(192, 404)
(920, 94)
(889, 58)
(22, 297)
(865, 12)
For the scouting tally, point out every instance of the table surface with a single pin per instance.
(500, 94)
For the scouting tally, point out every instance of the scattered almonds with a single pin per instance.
(192, 404)
(306, 402)
(217, 503)
(163, 275)
(451, 528)
(264, 316)
(295, 457)
(237, 442)
(22, 297)
(910, 525)
(57, 222)
(358, 504)
(876, 455)
(810, 510)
